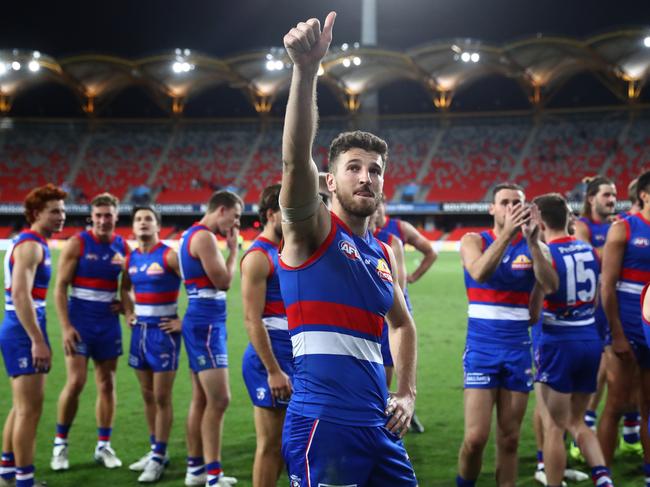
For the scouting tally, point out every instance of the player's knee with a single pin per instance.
(148, 396)
(162, 400)
(475, 441)
(508, 441)
(106, 386)
(75, 384)
(268, 445)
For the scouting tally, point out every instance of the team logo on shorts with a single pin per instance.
(641, 242)
(23, 362)
(349, 250)
(155, 269)
(521, 263)
(260, 393)
(201, 360)
(294, 481)
(384, 271)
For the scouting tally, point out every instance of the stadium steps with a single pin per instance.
(164, 156)
(80, 158)
(247, 162)
(621, 139)
(438, 135)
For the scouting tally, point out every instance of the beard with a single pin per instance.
(361, 209)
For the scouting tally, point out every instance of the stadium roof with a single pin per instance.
(620, 59)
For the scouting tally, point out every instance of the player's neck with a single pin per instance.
(105, 238)
(209, 222)
(269, 234)
(41, 230)
(550, 235)
(645, 212)
(145, 245)
(596, 218)
(357, 224)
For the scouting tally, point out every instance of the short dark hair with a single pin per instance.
(505, 185)
(269, 200)
(105, 199)
(357, 140)
(150, 208)
(225, 198)
(593, 186)
(642, 184)
(38, 198)
(553, 210)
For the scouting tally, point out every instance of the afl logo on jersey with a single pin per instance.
(383, 271)
(133, 269)
(641, 242)
(522, 262)
(349, 250)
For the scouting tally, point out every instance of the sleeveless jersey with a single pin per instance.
(94, 286)
(336, 303)
(155, 284)
(11, 324)
(383, 235)
(204, 300)
(498, 309)
(569, 312)
(392, 226)
(274, 315)
(597, 231)
(635, 271)
(646, 323)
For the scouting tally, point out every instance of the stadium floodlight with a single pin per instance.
(270, 65)
(465, 57)
(344, 46)
(356, 60)
(475, 57)
(279, 65)
(33, 66)
(36, 55)
(346, 62)
(646, 41)
(187, 52)
(177, 51)
(177, 67)
(15, 66)
(356, 45)
(3, 69)
(269, 57)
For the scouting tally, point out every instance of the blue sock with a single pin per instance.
(152, 441)
(61, 437)
(461, 482)
(8, 466)
(646, 473)
(195, 465)
(159, 452)
(25, 476)
(632, 427)
(590, 419)
(601, 476)
(214, 472)
(104, 436)
(540, 460)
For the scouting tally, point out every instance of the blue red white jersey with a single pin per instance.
(392, 225)
(95, 283)
(597, 231)
(498, 308)
(635, 269)
(155, 284)
(41, 278)
(274, 315)
(336, 303)
(646, 323)
(203, 297)
(569, 313)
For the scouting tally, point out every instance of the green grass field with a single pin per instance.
(440, 310)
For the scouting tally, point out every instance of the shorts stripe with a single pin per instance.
(311, 438)
(207, 346)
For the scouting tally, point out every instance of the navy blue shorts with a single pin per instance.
(17, 355)
(491, 368)
(570, 366)
(385, 347)
(205, 344)
(321, 453)
(256, 379)
(100, 339)
(154, 349)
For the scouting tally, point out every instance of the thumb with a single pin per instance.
(328, 26)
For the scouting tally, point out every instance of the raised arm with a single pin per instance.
(422, 245)
(220, 271)
(68, 261)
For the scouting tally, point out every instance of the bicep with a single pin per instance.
(470, 249)
(172, 262)
(206, 249)
(613, 253)
(254, 272)
(68, 262)
(26, 258)
(582, 231)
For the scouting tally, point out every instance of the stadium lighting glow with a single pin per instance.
(465, 57)
(344, 46)
(187, 52)
(3, 69)
(646, 41)
(15, 66)
(270, 65)
(279, 65)
(321, 71)
(346, 62)
(36, 55)
(475, 57)
(356, 60)
(356, 45)
(176, 67)
(34, 66)
(269, 57)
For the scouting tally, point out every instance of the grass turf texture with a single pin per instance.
(440, 311)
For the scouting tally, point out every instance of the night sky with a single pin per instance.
(137, 28)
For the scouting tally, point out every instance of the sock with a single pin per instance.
(590, 419)
(631, 427)
(159, 452)
(646, 473)
(214, 472)
(601, 477)
(103, 437)
(152, 441)
(25, 476)
(461, 482)
(195, 465)
(61, 437)
(8, 466)
(540, 460)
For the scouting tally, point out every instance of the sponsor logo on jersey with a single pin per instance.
(641, 242)
(349, 250)
(92, 256)
(117, 259)
(155, 269)
(522, 262)
(477, 379)
(384, 271)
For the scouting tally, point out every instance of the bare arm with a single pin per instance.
(171, 259)
(536, 304)
(611, 269)
(172, 325)
(398, 250)
(306, 46)
(220, 271)
(127, 298)
(254, 273)
(545, 275)
(68, 261)
(403, 345)
(582, 233)
(422, 244)
(27, 256)
(481, 265)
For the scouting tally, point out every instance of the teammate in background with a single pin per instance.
(633, 197)
(23, 335)
(151, 281)
(342, 426)
(408, 234)
(625, 271)
(90, 264)
(267, 365)
(207, 276)
(501, 267)
(569, 350)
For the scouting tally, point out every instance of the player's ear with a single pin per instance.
(491, 209)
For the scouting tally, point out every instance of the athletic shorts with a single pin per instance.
(321, 453)
(536, 335)
(256, 378)
(491, 368)
(153, 349)
(100, 339)
(570, 366)
(603, 326)
(641, 351)
(385, 347)
(205, 343)
(17, 355)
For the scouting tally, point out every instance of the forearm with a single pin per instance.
(483, 268)
(403, 341)
(261, 342)
(61, 305)
(545, 275)
(27, 317)
(610, 306)
(231, 263)
(426, 262)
